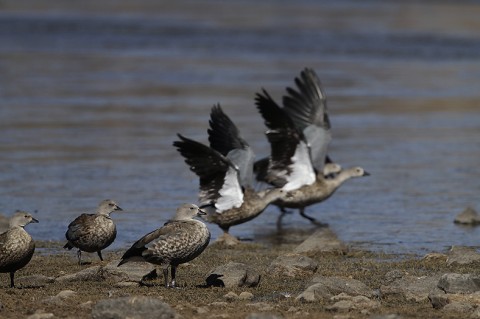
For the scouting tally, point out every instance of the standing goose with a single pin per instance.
(178, 241)
(93, 232)
(16, 245)
(225, 172)
(307, 110)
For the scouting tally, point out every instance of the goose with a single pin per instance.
(178, 241)
(93, 232)
(16, 245)
(225, 172)
(306, 111)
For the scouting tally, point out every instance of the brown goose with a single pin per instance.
(302, 120)
(16, 245)
(178, 241)
(225, 172)
(93, 232)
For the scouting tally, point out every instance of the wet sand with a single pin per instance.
(273, 294)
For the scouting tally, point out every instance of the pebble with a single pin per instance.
(459, 283)
(293, 265)
(233, 275)
(468, 217)
(230, 296)
(136, 307)
(462, 255)
(322, 241)
(245, 295)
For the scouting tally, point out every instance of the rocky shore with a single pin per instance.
(317, 276)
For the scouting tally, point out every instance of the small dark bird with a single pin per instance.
(93, 232)
(178, 241)
(16, 245)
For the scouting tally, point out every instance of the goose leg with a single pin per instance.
(79, 256)
(174, 271)
(12, 281)
(100, 255)
(165, 276)
(283, 212)
(311, 219)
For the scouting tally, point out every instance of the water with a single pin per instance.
(92, 95)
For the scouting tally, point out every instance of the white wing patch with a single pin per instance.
(302, 170)
(231, 195)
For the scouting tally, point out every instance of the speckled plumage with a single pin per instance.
(178, 241)
(16, 245)
(93, 232)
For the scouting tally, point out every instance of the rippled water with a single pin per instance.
(92, 95)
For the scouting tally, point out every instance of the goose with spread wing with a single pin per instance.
(304, 110)
(224, 170)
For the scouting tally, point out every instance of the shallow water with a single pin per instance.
(92, 95)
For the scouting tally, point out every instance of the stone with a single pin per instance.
(323, 240)
(135, 307)
(245, 295)
(132, 271)
(89, 274)
(40, 314)
(230, 296)
(459, 308)
(393, 275)
(233, 275)
(412, 288)
(261, 306)
(347, 303)
(436, 257)
(33, 281)
(326, 287)
(462, 255)
(256, 315)
(293, 265)
(468, 217)
(459, 283)
(438, 300)
(59, 298)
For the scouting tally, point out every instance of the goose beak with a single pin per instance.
(118, 208)
(365, 173)
(34, 220)
(201, 212)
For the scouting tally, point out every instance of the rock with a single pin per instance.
(412, 288)
(60, 297)
(435, 257)
(261, 306)
(347, 303)
(230, 296)
(245, 295)
(40, 314)
(388, 316)
(233, 275)
(33, 281)
(458, 308)
(136, 307)
(322, 241)
(462, 255)
(438, 300)
(90, 274)
(468, 217)
(131, 271)
(393, 275)
(327, 287)
(263, 316)
(293, 265)
(459, 283)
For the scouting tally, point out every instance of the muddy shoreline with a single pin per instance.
(389, 279)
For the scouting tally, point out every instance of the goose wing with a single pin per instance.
(289, 164)
(219, 179)
(307, 107)
(225, 138)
